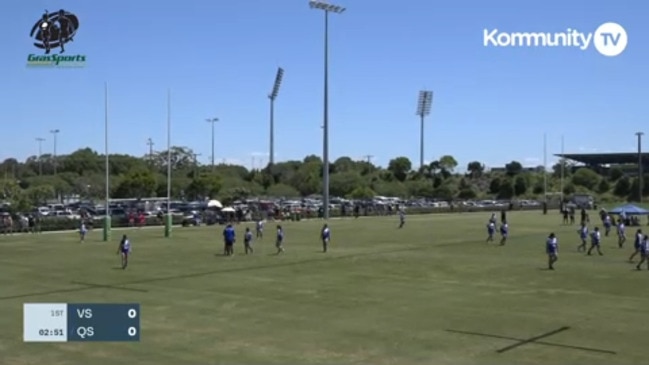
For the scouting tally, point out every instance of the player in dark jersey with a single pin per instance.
(247, 241)
(125, 250)
(279, 243)
(402, 218)
(229, 236)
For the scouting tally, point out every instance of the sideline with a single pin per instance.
(394, 216)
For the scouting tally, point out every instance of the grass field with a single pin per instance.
(431, 293)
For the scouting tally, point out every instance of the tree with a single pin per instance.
(494, 185)
(283, 190)
(603, 187)
(585, 177)
(520, 186)
(420, 188)
(137, 184)
(506, 190)
(475, 169)
(448, 163)
(204, 187)
(344, 183)
(444, 192)
(513, 168)
(615, 174)
(40, 194)
(468, 193)
(622, 187)
(567, 168)
(362, 193)
(569, 189)
(81, 174)
(400, 167)
(391, 189)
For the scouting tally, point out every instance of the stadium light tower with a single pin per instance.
(327, 8)
(423, 109)
(272, 96)
(212, 121)
(40, 153)
(640, 167)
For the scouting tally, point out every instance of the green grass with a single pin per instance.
(381, 296)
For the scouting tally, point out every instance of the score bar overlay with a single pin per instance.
(63, 322)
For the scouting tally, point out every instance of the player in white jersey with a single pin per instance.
(125, 250)
(637, 245)
(552, 250)
(491, 230)
(325, 235)
(644, 252)
(260, 228)
(595, 240)
(82, 232)
(583, 235)
(621, 235)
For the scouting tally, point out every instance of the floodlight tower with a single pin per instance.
(40, 154)
(212, 121)
(327, 8)
(423, 109)
(272, 96)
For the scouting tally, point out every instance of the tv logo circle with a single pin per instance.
(610, 39)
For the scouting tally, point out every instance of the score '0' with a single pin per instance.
(132, 313)
(132, 331)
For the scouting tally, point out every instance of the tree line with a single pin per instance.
(82, 174)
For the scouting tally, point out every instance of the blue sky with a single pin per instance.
(219, 59)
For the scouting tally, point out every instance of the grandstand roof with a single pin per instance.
(605, 158)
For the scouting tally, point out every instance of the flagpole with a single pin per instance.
(168, 221)
(563, 164)
(545, 168)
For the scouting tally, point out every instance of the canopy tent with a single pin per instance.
(214, 204)
(228, 210)
(630, 209)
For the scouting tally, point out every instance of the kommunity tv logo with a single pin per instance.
(609, 39)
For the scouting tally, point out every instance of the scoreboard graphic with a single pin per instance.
(65, 322)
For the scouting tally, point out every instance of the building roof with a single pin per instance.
(605, 158)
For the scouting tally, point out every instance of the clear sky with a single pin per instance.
(219, 59)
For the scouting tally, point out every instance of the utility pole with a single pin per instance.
(640, 167)
(40, 154)
(55, 132)
(369, 158)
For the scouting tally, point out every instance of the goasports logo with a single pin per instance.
(53, 32)
(609, 39)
